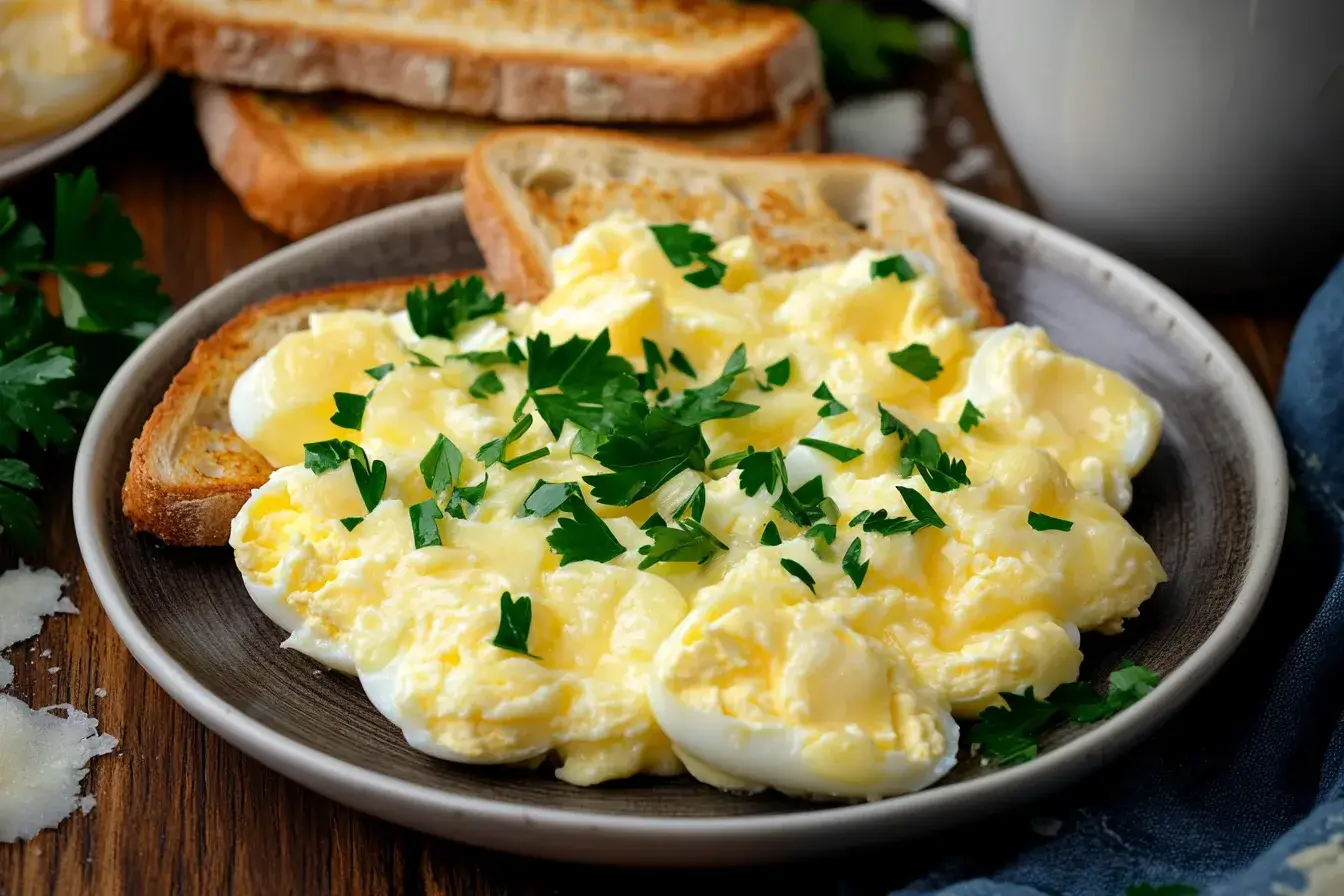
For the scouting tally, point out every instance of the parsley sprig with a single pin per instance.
(52, 366)
(1008, 734)
(583, 535)
(435, 313)
(686, 542)
(684, 247)
(515, 625)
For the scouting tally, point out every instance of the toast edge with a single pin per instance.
(521, 271)
(190, 515)
(511, 86)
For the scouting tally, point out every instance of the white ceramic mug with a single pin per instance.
(1203, 139)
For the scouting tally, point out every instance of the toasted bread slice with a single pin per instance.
(529, 190)
(302, 164)
(190, 473)
(689, 61)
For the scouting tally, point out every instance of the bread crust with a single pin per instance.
(518, 265)
(251, 153)
(189, 428)
(507, 85)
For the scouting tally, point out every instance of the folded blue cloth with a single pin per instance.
(1243, 792)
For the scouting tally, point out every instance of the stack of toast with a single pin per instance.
(317, 111)
(528, 190)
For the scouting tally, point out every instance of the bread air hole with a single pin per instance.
(848, 196)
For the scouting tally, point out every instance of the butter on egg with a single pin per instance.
(762, 686)
(427, 660)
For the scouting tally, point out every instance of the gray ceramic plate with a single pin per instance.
(1212, 504)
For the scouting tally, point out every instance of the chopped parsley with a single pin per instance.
(770, 535)
(799, 572)
(515, 624)
(687, 542)
(831, 407)
(586, 442)
(891, 426)
(370, 479)
(421, 360)
(435, 313)
(970, 417)
(916, 360)
(441, 465)
(322, 457)
(583, 535)
(762, 470)
(922, 516)
(380, 371)
(922, 453)
(653, 522)
(510, 354)
(424, 523)
(696, 406)
(350, 522)
(685, 247)
(776, 374)
(654, 363)
(349, 410)
(1008, 734)
(842, 453)
(492, 452)
(516, 462)
(695, 503)
(1042, 523)
(485, 385)
(893, 265)
(731, 460)
(679, 362)
(465, 499)
(547, 497)
(851, 565)
(807, 504)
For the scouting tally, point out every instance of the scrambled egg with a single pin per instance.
(767, 666)
(53, 73)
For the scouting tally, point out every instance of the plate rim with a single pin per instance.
(681, 840)
(44, 151)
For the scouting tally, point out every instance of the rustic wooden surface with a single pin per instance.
(181, 811)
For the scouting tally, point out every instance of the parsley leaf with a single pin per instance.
(652, 522)
(485, 385)
(762, 470)
(922, 516)
(546, 498)
(516, 462)
(465, 499)
(970, 417)
(731, 460)
(916, 360)
(583, 536)
(684, 247)
(350, 522)
(515, 624)
(380, 371)
(776, 374)
(842, 453)
(511, 354)
(679, 362)
(424, 523)
(349, 410)
(653, 364)
(695, 503)
(807, 504)
(799, 572)
(851, 565)
(696, 406)
(770, 535)
(893, 265)
(492, 452)
(441, 465)
(645, 457)
(421, 360)
(322, 457)
(586, 442)
(689, 542)
(892, 426)
(1042, 523)
(18, 512)
(822, 536)
(370, 479)
(831, 407)
(30, 400)
(940, 472)
(435, 313)
(920, 507)
(1008, 734)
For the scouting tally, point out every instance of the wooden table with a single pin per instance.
(181, 811)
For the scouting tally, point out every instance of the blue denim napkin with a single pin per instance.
(1243, 792)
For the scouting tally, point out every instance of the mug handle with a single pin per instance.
(957, 9)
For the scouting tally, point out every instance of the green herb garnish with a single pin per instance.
(799, 572)
(831, 407)
(897, 266)
(370, 479)
(349, 410)
(350, 522)
(435, 313)
(492, 452)
(465, 499)
(380, 371)
(695, 503)
(731, 460)
(485, 385)
(547, 497)
(970, 417)
(583, 535)
(922, 453)
(776, 374)
(1042, 523)
(687, 542)
(892, 426)
(679, 362)
(322, 457)
(515, 624)
(916, 360)
(441, 465)
(770, 535)
(684, 247)
(424, 523)
(851, 565)
(842, 453)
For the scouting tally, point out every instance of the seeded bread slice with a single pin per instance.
(301, 164)
(690, 61)
(190, 472)
(530, 190)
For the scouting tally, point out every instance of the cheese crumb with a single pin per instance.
(100, 692)
(45, 761)
(26, 595)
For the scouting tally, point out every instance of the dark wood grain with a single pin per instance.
(180, 811)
